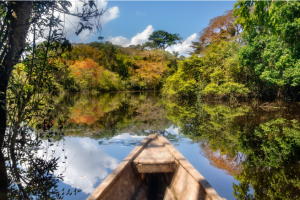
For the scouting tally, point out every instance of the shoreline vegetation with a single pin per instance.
(250, 52)
(234, 57)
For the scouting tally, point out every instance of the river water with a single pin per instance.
(245, 150)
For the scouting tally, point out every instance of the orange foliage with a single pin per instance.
(151, 69)
(83, 119)
(87, 64)
(87, 70)
(231, 165)
(50, 60)
(83, 52)
(86, 116)
(219, 28)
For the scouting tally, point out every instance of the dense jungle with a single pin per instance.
(70, 112)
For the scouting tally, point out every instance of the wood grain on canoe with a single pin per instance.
(124, 187)
(169, 195)
(154, 153)
(154, 168)
(111, 179)
(155, 158)
(184, 186)
(189, 168)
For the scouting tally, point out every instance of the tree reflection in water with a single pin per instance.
(258, 145)
(32, 172)
(230, 164)
(30, 168)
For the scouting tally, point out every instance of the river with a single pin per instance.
(245, 150)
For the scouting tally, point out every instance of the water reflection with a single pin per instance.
(246, 150)
(30, 170)
(110, 114)
(257, 144)
(78, 164)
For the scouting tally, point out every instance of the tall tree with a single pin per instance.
(163, 39)
(219, 28)
(18, 20)
(22, 24)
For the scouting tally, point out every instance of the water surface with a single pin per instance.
(246, 150)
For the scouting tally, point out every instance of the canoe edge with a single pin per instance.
(189, 168)
(117, 172)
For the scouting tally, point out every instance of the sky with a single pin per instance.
(131, 22)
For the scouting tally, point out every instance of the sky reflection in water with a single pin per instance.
(237, 147)
(89, 161)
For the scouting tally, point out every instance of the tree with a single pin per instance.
(149, 45)
(22, 25)
(163, 39)
(219, 28)
(86, 73)
(272, 44)
(100, 38)
(18, 20)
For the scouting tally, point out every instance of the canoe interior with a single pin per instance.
(155, 170)
(153, 186)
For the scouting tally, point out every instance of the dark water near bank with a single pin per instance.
(246, 150)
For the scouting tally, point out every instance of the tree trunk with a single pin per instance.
(18, 14)
(3, 178)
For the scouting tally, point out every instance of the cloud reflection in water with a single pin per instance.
(83, 162)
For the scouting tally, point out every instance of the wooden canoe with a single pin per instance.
(155, 170)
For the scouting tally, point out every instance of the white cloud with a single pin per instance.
(82, 161)
(137, 39)
(184, 47)
(173, 130)
(110, 14)
(84, 36)
(127, 136)
(143, 36)
(120, 40)
(82, 169)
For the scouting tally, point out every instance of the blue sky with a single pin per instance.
(131, 22)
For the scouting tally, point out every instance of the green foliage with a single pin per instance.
(225, 89)
(150, 45)
(268, 183)
(263, 144)
(272, 165)
(221, 70)
(216, 73)
(162, 39)
(124, 64)
(107, 67)
(179, 85)
(271, 54)
(263, 63)
(109, 81)
(279, 140)
(109, 114)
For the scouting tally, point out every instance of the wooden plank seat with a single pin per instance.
(155, 158)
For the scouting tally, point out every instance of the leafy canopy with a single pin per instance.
(271, 53)
(163, 39)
